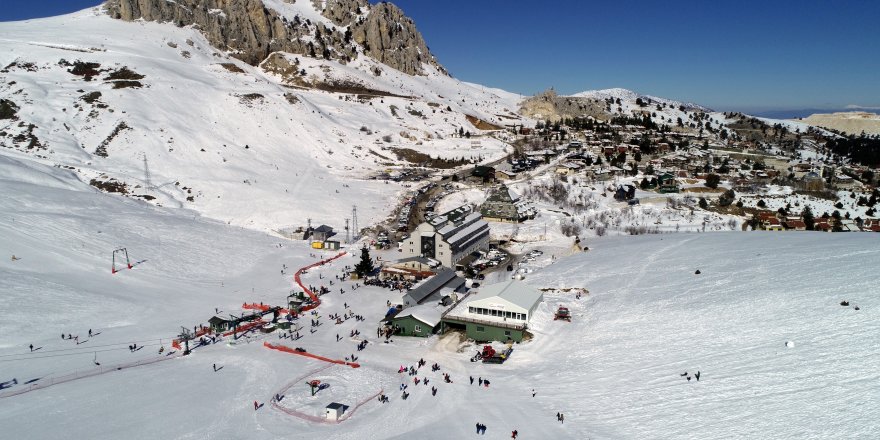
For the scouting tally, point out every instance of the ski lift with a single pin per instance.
(95, 360)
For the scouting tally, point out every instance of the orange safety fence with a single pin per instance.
(255, 306)
(315, 301)
(264, 307)
(246, 327)
(287, 349)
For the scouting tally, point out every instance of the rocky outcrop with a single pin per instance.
(550, 106)
(250, 31)
(848, 122)
(392, 38)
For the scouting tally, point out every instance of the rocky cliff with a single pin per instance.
(250, 31)
(548, 105)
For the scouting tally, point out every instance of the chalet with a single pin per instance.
(772, 224)
(568, 168)
(421, 321)
(483, 174)
(625, 192)
(872, 225)
(667, 183)
(822, 224)
(794, 225)
(420, 264)
(219, 324)
(504, 172)
(321, 233)
(499, 312)
(505, 205)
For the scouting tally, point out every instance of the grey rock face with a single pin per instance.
(250, 31)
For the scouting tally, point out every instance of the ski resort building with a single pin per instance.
(506, 205)
(420, 321)
(444, 284)
(499, 312)
(448, 237)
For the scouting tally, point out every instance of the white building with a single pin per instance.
(448, 237)
(510, 301)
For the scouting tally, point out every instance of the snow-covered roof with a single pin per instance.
(430, 315)
(513, 291)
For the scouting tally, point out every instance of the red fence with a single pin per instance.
(315, 301)
(287, 349)
(311, 417)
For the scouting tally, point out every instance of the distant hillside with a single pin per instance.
(848, 122)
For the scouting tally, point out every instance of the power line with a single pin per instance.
(67, 354)
(89, 348)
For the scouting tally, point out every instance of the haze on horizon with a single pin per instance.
(746, 56)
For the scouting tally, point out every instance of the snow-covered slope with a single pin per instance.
(629, 95)
(614, 372)
(245, 146)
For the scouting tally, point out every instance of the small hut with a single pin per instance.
(334, 411)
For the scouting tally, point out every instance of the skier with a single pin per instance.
(256, 405)
(215, 368)
(533, 392)
(472, 380)
(32, 347)
(697, 376)
(90, 333)
(480, 383)
(513, 434)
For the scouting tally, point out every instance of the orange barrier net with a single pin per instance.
(315, 301)
(246, 327)
(287, 349)
(255, 306)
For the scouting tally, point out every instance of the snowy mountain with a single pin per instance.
(629, 95)
(156, 111)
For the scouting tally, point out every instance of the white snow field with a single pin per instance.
(614, 372)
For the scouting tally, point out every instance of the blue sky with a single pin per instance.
(729, 55)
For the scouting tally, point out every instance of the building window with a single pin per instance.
(481, 329)
(470, 310)
(417, 329)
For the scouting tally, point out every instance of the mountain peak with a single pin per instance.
(251, 30)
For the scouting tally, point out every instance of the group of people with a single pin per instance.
(481, 382)
(392, 284)
(688, 376)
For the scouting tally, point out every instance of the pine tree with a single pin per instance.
(809, 220)
(365, 266)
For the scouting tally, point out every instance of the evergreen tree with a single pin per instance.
(365, 266)
(809, 220)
